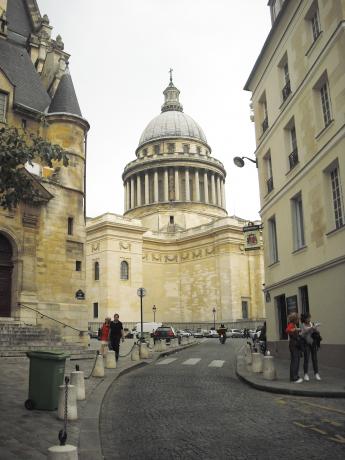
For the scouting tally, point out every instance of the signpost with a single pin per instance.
(141, 293)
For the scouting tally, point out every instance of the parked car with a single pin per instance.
(234, 333)
(183, 333)
(213, 334)
(165, 332)
(198, 334)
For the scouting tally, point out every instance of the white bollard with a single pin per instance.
(66, 452)
(110, 361)
(257, 362)
(135, 353)
(157, 346)
(72, 413)
(248, 355)
(77, 379)
(144, 351)
(269, 370)
(99, 367)
(163, 345)
(151, 342)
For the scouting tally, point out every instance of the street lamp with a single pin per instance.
(141, 293)
(214, 318)
(239, 162)
(154, 309)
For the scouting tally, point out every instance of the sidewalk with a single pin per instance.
(332, 384)
(27, 435)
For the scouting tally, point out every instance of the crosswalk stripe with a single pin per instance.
(191, 361)
(216, 363)
(166, 361)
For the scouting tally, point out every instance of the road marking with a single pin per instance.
(317, 430)
(338, 438)
(318, 406)
(216, 363)
(191, 361)
(166, 361)
(331, 422)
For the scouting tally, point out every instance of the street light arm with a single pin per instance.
(250, 159)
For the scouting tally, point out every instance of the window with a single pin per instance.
(185, 148)
(337, 197)
(171, 220)
(124, 270)
(144, 152)
(70, 226)
(297, 222)
(171, 148)
(3, 107)
(313, 18)
(272, 240)
(95, 310)
(293, 157)
(268, 172)
(244, 309)
(304, 299)
(157, 149)
(264, 114)
(198, 150)
(78, 266)
(326, 104)
(96, 271)
(286, 91)
(24, 123)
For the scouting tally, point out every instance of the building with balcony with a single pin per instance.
(175, 238)
(298, 94)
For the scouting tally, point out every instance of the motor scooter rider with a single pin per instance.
(222, 333)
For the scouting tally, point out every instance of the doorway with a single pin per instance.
(282, 316)
(6, 267)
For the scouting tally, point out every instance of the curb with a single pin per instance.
(89, 444)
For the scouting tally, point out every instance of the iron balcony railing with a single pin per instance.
(269, 183)
(264, 125)
(293, 158)
(286, 90)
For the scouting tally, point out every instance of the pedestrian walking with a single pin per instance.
(293, 332)
(311, 339)
(116, 334)
(104, 336)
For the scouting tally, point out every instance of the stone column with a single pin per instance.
(187, 184)
(132, 192)
(177, 185)
(206, 187)
(125, 195)
(219, 199)
(197, 185)
(213, 188)
(155, 186)
(138, 190)
(222, 188)
(147, 190)
(166, 185)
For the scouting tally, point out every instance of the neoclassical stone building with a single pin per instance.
(42, 257)
(175, 238)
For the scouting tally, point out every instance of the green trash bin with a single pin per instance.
(47, 370)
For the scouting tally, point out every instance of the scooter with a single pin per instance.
(222, 338)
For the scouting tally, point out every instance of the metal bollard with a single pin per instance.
(143, 351)
(77, 379)
(67, 403)
(257, 362)
(98, 370)
(269, 370)
(135, 353)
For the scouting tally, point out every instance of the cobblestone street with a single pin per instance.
(192, 406)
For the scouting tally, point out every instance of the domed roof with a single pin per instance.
(172, 123)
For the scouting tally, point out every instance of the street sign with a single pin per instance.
(141, 292)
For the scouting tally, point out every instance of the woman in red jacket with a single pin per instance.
(104, 336)
(293, 332)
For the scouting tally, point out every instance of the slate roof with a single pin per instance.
(18, 68)
(19, 24)
(65, 99)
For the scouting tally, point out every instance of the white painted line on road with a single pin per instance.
(191, 361)
(166, 361)
(216, 363)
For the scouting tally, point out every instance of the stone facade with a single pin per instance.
(175, 238)
(45, 258)
(298, 96)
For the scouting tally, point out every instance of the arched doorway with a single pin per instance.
(6, 267)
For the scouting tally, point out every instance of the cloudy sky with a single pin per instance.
(121, 52)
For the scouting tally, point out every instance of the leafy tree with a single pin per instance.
(16, 149)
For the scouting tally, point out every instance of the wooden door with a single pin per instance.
(5, 276)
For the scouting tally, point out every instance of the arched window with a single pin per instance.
(96, 271)
(124, 270)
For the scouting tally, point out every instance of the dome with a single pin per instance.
(172, 123)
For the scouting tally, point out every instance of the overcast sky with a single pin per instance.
(121, 52)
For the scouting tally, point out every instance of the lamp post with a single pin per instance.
(214, 318)
(154, 309)
(239, 162)
(141, 293)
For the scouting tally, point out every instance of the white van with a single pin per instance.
(147, 327)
